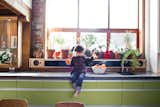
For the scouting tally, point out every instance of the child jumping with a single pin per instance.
(78, 64)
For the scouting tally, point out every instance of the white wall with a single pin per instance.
(152, 33)
(147, 34)
(159, 39)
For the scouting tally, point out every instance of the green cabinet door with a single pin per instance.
(30, 90)
(138, 92)
(7, 88)
(103, 92)
(132, 92)
(151, 84)
(152, 92)
(55, 91)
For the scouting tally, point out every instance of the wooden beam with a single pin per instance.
(18, 7)
(6, 6)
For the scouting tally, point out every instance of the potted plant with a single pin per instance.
(128, 41)
(65, 53)
(59, 41)
(129, 58)
(5, 56)
(88, 40)
(100, 52)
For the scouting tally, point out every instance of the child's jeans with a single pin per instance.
(77, 80)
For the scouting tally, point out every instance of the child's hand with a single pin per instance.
(94, 56)
(68, 61)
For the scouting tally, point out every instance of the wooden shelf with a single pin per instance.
(4, 65)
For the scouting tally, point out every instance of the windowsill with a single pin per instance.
(94, 60)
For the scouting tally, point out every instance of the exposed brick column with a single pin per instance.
(38, 28)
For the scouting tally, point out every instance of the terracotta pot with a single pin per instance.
(118, 55)
(100, 55)
(65, 53)
(50, 53)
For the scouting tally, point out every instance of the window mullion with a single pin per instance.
(78, 14)
(108, 14)
(78, 31)
(108, 32)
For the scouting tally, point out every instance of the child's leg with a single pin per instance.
(74, 76)
(80, 81)
(79, 84)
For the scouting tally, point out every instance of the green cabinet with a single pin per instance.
(94, 92)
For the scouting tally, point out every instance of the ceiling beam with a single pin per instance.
(19, 8)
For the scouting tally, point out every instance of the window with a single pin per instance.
(98, 25)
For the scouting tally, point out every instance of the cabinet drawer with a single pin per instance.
(132, 85)
(8, 83)
(151, 84)
(29, 83)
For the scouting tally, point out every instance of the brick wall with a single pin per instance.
(38, 27)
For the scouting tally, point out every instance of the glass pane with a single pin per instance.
(93, 13)
(61, 40)
(94, 41)
(59, 44)
(121, 41)
(61, 13)
(124, 13)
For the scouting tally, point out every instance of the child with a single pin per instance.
(78, 69)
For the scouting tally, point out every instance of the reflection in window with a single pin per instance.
(122, 41)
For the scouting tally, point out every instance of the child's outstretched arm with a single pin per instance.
(94, 56)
